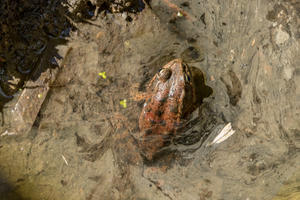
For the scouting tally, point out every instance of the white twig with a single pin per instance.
(65, 159)
(8, 133)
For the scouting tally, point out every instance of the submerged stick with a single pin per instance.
(23, 113)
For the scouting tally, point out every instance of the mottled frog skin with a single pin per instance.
(171, 98)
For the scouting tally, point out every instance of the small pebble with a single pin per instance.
(124, 15)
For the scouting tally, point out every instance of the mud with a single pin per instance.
(29, 30)
(83, 142)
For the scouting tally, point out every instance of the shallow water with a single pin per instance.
(82, 145)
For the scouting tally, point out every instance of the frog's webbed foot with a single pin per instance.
(135, 94)
(138, 96)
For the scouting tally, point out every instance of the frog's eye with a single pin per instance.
(187, 78)
(164, 74)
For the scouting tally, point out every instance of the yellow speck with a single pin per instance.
(40, 96)
(126, 43)
(102, 74)
(123, 103)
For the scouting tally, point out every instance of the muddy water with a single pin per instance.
(82, 145)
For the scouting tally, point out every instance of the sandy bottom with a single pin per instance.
(82, 145)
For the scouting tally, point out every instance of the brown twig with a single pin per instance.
(175, 7)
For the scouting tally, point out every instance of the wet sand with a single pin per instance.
(82, 144)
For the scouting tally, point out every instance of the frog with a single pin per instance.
(175, 92)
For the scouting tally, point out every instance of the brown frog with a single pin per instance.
(173, 94)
